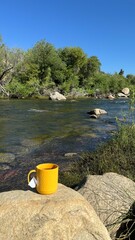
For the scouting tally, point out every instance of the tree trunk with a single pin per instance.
(4, 73)
(4, 91)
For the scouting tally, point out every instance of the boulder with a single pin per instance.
(93, 116)
(122, 95)
(57, 96)
(64, 215)
(97, 111)
(110, 97)
(111, 195)
(125, 91)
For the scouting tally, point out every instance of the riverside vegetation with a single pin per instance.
(117, 155)
(43, 69)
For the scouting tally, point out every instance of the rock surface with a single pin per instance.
(95, 113)
(70, 154)
(122, 95)
(57, 96)
(111, 96)
(64, 215)
(125, 91)
(7, 157)
(111, 195)
(98, 111)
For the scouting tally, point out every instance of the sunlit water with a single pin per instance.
(36, 131)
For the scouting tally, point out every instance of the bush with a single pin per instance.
(20, 90)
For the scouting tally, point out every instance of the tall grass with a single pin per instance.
(117, 155)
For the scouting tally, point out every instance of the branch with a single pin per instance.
(4, 73)
(4, 91)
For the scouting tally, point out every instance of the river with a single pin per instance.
(37, 131)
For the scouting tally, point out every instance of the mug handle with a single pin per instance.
(29, 174)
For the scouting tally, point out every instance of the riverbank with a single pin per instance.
(56, 94)
(117, 155)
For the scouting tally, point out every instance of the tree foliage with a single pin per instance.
(43, 67)
(9, 59)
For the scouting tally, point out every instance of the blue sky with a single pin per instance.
(102, 28)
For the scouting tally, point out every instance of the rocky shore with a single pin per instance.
(55, 95)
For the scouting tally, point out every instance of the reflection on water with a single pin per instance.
(41, 130)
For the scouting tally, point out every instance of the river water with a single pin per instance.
(37, 131)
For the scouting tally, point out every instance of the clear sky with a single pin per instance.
(102, 28)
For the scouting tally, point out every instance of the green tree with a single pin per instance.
(93, 65)
(45, 56)
(9, 59)
(131, 78)
(42, 65)
(75, 59)
(5, 63)
(121, 72)
(88, 71)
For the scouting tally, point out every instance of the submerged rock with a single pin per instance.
(70, 154)
(4, 167)
(8, 174)
(6, 157)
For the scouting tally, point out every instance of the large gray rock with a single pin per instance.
(111, 96)
(125, 91)
(111, 195)
(95, 113)
(64, 215)
(57, 96)
(122, 95)
(98, 111)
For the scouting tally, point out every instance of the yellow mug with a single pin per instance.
(47, 178)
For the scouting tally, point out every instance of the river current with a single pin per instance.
(37, 131)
